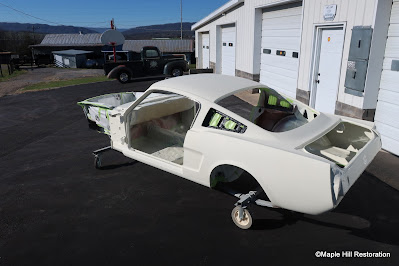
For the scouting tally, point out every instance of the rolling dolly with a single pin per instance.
(97, 156)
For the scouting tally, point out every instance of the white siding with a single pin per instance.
(387, 112)
(350, 12)
(248, 16)
(244, 18)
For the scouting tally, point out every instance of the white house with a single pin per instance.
(339, 56)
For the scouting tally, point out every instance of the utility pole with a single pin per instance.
(34, 42)
(181, 19)
(33, 32)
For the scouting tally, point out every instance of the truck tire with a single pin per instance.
(177, 71)
(123, 77)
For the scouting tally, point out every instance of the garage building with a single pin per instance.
(338, 56)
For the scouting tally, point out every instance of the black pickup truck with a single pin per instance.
(148, 62)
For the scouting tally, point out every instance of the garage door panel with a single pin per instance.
(279, 82)
(387, 63)
(387, 113)
(389, 97)
(290, 23)
(281, 29)
(389, 81)
(395, 13)
(228, 50)
(276, 22)
(393, 30)
(281, 26)
(289, 55)
(390, 145)
(388, 131)
(392, 48)
(290, 64)
(229, 29)
(281, 33)
(278, 71)
(281, 43)
(283, 12)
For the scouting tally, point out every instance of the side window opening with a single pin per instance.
(159, 124)
(218, 120)
(268, 109)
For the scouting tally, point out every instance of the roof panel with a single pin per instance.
(71, 39)
(211, 87)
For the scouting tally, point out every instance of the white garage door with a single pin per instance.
(387, 112)
(229, 51)
(281, 34)
(205, 50)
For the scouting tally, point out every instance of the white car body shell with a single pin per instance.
(291, 177)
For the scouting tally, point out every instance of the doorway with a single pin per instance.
(327, 70)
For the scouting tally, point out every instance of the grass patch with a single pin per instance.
(6, 76)
(192, 66)
(64, 83)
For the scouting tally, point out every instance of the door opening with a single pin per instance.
(326, 75)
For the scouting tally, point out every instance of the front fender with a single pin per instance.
(167, 70)
(113, 74)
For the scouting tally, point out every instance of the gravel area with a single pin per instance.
(37, 75)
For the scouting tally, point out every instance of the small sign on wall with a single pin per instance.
(329, 12)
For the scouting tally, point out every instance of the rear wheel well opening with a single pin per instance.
(228, 178)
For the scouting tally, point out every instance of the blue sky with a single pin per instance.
(98, 13)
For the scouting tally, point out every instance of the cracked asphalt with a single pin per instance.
(57, 209)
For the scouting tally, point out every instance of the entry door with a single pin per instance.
(205, 50)
(229, 51)
(327, 76)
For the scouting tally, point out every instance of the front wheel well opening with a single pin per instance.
(229, 178)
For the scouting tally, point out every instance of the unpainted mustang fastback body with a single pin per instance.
(196, 127)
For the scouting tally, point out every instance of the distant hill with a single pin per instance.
(101, 30)
(42, 28)
(170, 30)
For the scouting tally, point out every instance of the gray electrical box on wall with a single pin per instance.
(358, 60)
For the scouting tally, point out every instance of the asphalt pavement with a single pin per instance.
(57, 209)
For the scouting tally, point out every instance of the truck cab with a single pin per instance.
(148, 62)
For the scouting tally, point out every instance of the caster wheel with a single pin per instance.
(245, 222)
(97, 161)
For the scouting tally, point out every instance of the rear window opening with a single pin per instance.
(269, 109)
(341, 144)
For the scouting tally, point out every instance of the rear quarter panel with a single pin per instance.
(291, 181)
